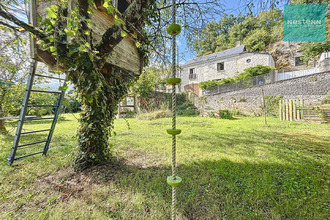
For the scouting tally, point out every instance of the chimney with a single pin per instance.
(238, 43)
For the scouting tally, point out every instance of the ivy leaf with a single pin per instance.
(82, 48)
(69, 33)
(50, 13)
(52, 49)
(119, 21)
(123, 33)
(63, 88)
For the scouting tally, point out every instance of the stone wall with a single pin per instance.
(312, 89)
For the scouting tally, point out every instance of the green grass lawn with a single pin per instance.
(231, 169)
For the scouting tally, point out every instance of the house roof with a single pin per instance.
(225, 53)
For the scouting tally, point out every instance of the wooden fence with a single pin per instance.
(294, 110)
(291, 110)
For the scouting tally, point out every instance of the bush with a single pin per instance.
(222, 114)
(187, 108)
(271, 103)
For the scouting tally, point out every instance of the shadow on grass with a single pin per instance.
(222, 189)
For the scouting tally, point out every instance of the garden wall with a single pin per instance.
(312, 89)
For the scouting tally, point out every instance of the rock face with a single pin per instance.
(287, 56)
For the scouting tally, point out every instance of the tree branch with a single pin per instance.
(5, 14)
(8, 25)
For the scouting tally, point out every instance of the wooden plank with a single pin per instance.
(305, 108)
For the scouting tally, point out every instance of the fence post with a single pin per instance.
(280, 109)
(283, 109)
(294, 110)
(286, 110)
(290, 109)
(302, 111)
(298, 111)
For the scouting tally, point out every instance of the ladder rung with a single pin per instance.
(17, 158)
(32, 132)
(38, 142)
(36, 119)
(45, 91)
(32, 105)
(51, 77)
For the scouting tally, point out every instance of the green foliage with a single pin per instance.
(257, 32)
(150, 78)
(272, 104)
(208, 84)
(326, 100)
(71, 102)
(254, 71)
(186, 108)
(12, 102)
(248, 72)
(222, 114)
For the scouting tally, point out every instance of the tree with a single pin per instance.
(68, 35)
(257, 32)
(150, 78)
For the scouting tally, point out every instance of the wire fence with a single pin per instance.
(271, 77)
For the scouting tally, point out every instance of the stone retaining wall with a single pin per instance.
(312, 89)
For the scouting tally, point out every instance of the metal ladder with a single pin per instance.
(23, 118)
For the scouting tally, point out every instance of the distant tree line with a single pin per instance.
(257, 32)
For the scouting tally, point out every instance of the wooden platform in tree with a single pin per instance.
(125, 55)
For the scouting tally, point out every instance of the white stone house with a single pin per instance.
(221, 65)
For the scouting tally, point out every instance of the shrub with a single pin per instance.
(222, 114)
(271, 103)
(187, 108)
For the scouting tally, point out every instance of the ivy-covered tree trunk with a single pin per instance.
(101, 94)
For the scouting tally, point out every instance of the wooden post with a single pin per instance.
(263, 100)
(286, 110)
(298, 111)
(294, 110)
(283, 110)
(280, 109)
(302, 111)
(290, 109)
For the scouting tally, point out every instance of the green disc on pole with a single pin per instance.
(174, 29)
(173, 81)
(173, 131)
(172, 182)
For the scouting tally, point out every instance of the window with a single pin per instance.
(298, 61)
(220, 66)
(192, 74)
